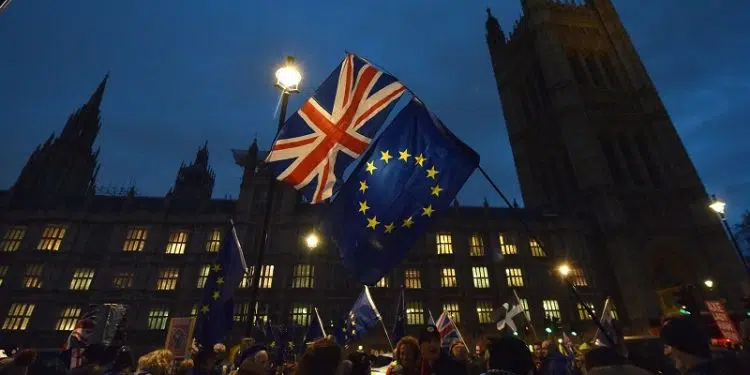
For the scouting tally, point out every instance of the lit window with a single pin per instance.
(266, 277)
(536, 248)
(524, 303)
(507, 247)
(453, 311)
(82, 278)
(241, 311)
(412, 279)
(135, 239)
(12, 239)
(514, 276)
(414, 313)
(18, 317)
(68, 318)
(303, 276)
(551, 308)
(214, 241)
(261, 313)
(448, 277)
(52, 237)
(476, 245)
(203, 276)
(123, 280)
(33, 276)
(484, 312)
(194, 310)
(444, 243)
(582, 314)
(167, 279)
(300, 314)
(577, 277)
(157, 318)
(481, 277)
(3, 273)
(383, 282)
(177, 242)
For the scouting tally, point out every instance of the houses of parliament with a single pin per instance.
(607, 184)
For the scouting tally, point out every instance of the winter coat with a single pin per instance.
(555, 364)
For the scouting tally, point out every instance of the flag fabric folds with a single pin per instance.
(217, 305)
(316, 329)
(399, 325)
(448, 330)
(333, 128)
(98, 325)
(510, 313)
(409, 175)
(609, 325)
(361, 318)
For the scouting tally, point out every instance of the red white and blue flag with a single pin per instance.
(333, 128)
(449, 333)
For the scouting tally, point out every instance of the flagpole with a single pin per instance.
(388, 337)
(526, 315)
(320, 322)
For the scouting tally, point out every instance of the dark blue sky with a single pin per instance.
(185, 71)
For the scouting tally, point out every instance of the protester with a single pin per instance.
(345, 368)
(553, 362)
(509, 355)
(157, 362)
(185, 367)
(433, 362)
(688, 346)
(360, 364)
(460, 354)
(606, 361)
(19, 363)
(257, 354)
(322, 357)
(407, 357)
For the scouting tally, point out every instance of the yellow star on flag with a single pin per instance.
(216, 268)
(432, 172)
(403, 155)
(219, 280)
(363, 186)
(205, 309)
(372, 222)
(427, 211)
(419, 159)
(436, 190)
(216, 295)
(408, 222)
(385, 156)
(389, 227)
(371, 166)
(363, 207)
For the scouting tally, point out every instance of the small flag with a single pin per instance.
(333, 128)
(510, 313)
(217, 306)
(609, 325)
(361, 318)
(410, 174)
(316, 329)
(430, 319)
(399, 326)
(448, 330)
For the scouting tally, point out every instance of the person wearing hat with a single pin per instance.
(433, 361)
(688, 346)
(509, 356)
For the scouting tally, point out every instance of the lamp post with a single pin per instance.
(719, 207)
(312, 241)
(564, 270)
(288, 78)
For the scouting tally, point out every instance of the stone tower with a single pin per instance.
(591, 136)
(64, 167)
(195, 180)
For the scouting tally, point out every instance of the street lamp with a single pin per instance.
(288, 78)
(708, 283)
(564, 270)
(312, 241)
(719, 207)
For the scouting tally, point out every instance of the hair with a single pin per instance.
(185, 366)
(602, 356)
(157, 362)
(407, 340)
(322, 357)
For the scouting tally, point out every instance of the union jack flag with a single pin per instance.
(333, 128)
(448, 331)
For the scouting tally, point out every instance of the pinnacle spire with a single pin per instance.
(96, 98)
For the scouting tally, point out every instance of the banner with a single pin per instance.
(723, 321)
(179, 336)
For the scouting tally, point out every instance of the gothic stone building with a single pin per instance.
(619, 201)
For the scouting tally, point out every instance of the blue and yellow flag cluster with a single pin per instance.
(410, 174)
(361, 318)
(217, 305)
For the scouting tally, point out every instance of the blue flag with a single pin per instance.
(315, 330)
(363, 316)
(217, 306)
(399, 326)
(409, 175)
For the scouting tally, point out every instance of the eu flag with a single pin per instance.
(316, 329)
(408, 176)
(399, 326)
(363, 316)
(215, 312)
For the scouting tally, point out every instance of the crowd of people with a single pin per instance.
(685, 345)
